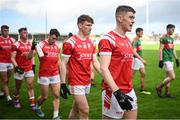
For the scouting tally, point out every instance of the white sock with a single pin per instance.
(8, 97)
(31, 97)
(55, 114)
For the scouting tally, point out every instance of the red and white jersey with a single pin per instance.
(49, 62)
(6, 49)
(80, 53)
(22, 50)
(121, 52)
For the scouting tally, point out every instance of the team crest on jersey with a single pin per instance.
(121, 44)
(79, 46)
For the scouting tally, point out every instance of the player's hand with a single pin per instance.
(160, 64)
(64, 91)
(34, 43)
(34, 68)
(177, 62)
(144, 62)
(19, 70)
(123, 100)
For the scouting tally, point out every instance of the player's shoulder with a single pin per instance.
(1, 37)
(17, 43)
(70, 41)
(92, 41)
(134, 40)
(163, 36)
(12, 39)
(108, 36)
(42, 42)
(57, 45)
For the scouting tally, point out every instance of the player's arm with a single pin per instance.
(138, 56)
(96, 64)
(66, 54)
(13, 58)
(176, 58)
(32, 51)
(59, 64)
(64, 91)
(161, 46)
(175, 54)
(33, 65)
(31, 54)
(104, 64)
(63, 68)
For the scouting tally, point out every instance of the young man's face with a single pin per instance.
(140, 34)
(85, 27)
(126, 21)
(24, 34)
(170, 31)
(52, 39)
(5, 32)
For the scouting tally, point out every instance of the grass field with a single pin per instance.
(149, 106)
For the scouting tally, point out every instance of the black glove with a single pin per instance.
(19, 70)
(160, 64)
(34, 43)
(177, 63)
(34, 68)
(123, 100)
(64, 91)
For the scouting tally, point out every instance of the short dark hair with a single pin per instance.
(139, 30)
(4, 26)
(70, 34)
(169, 26)
(21, 29)
(124, 8)
(54, 32)
(84, 18)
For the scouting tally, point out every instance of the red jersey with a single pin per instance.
(23, 50)
(6, 49)
(80, 53)
(121, 52)
(49, 62)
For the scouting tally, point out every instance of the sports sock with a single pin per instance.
(32, 101)
(55, 114)
(8, 98)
